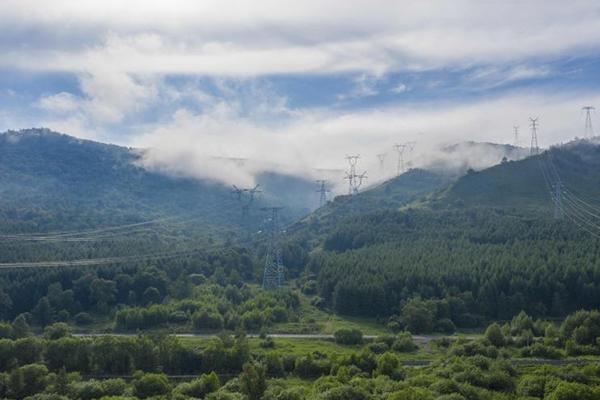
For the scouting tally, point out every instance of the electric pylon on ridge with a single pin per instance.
(400, 149)
(589, 129)
(535, 148)
(273, 277)
(322, 190)
(354, 180)
(381, 157)
(516, 135)
(246, 197)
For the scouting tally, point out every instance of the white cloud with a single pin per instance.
(491, 76)
(60, 102)
(238, 38)
(399, 88)
(320, 139)
(364, 86)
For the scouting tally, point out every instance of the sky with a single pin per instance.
(297, 84)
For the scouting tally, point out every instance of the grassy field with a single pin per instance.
(300, 347)
(314, 320)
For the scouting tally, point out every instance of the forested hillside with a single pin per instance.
(50, 181)
(485, 248)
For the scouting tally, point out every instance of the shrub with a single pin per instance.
(348, 336)
(404, 343)
(494, 335)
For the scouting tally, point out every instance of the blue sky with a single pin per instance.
(314, 79)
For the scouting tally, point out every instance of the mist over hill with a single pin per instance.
(50, 181)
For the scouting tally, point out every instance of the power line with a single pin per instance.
(98, 261)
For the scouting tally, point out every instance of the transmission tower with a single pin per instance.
(354, 180)
(381, 158)
(400, 150)
(322, 190)
(557, 200)
(589, 129)
(516, 133)
(535, 148)
(246, 197)
(273, 273)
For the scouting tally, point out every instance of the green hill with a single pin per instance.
(59, 185)
(522, 184)
(485, 247)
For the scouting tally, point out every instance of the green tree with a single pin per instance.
(57, 330)
(149, 385)
(253, 381)
(493, 333)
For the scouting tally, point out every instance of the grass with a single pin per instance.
(299, 347)
(314, 320)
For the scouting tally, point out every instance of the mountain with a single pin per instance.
(526, 184)
(484, 247)
(464, 156)
(411, 186)
(50, 181)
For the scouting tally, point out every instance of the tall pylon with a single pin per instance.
(557, 199)
(273, 274)
(400, 149)
(381, 158)
(589, 129)
(354, 180)
(246, 197)
(322, 190)
(400, 165)
(516, 134)
(535, 148)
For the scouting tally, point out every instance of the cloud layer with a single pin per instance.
(296, 85)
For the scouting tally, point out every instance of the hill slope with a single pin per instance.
(484, 248)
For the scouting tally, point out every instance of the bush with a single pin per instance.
(541, 351)
(200, 387)
(83, 318)
(494, 335)
(207, 320)
(445, 325)
(404, 343)
(348, 336)
(378, 347)
(56, 331)
(148, 385)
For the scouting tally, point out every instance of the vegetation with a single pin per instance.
(419, 254)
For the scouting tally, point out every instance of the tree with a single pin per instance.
(21, 327)
(348, 336)
(253, 381)
(387, 364)
(103, 293)
(493, 333)
(418, 316)
(43, 312)
(57, 331)
(6, 304)
(148, 385)
(151, 296)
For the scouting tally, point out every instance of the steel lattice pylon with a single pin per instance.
(273, 273)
